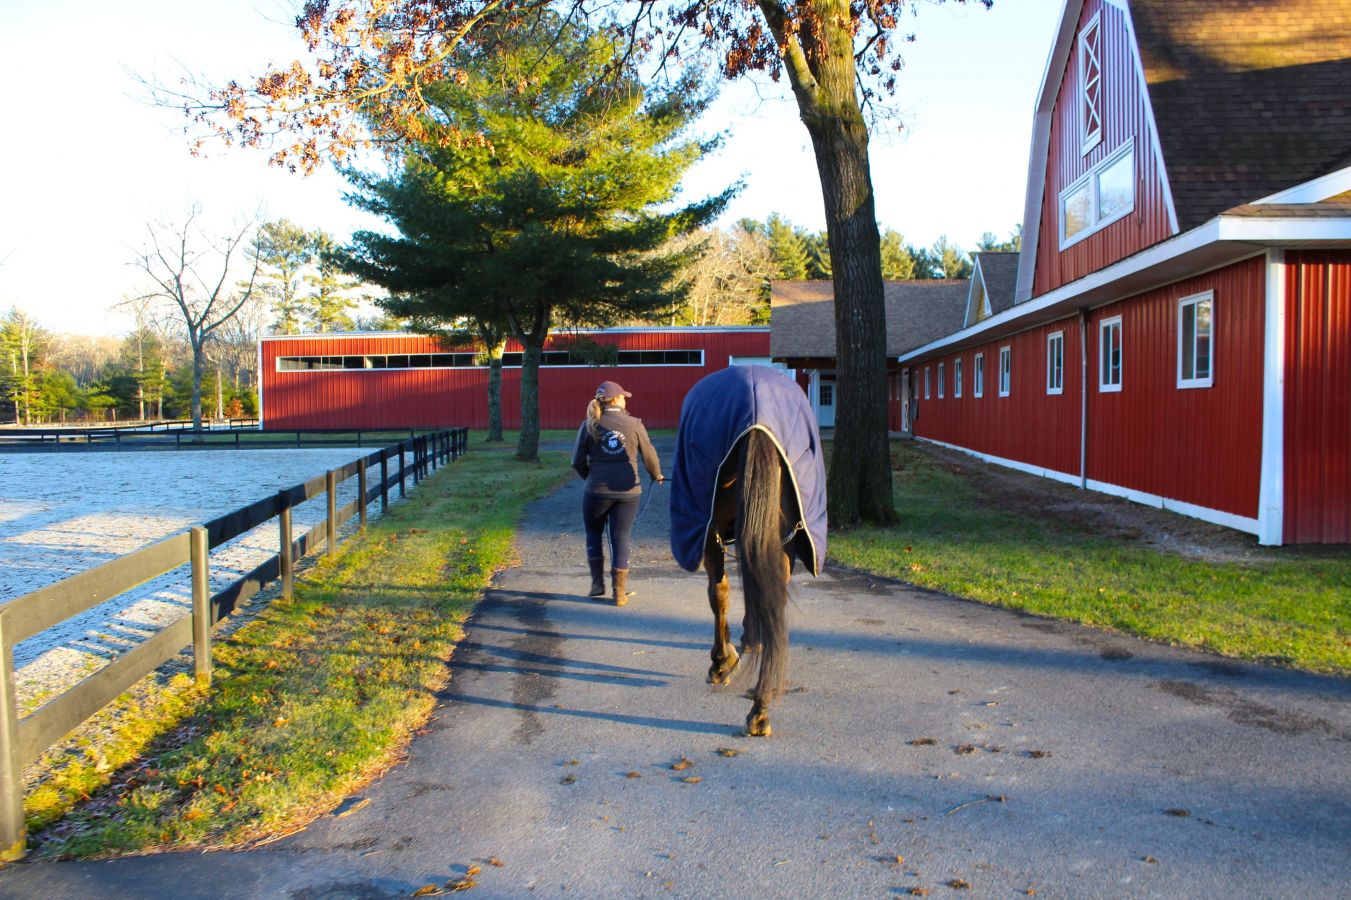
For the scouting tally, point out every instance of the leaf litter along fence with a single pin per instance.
(23, 740)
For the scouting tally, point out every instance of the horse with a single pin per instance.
(749, 474)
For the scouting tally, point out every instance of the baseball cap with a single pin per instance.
(609, 390)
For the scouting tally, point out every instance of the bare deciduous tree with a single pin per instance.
(191, 272)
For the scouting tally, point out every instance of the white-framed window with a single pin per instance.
(1005, 371)
(957, 377)
(1102, 195)
(940, 381)
(978, 375)
(1109, 354)
(1055, 363)
(1090, 83)
(926, 382)
(1195, 347)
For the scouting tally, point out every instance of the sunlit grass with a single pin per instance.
(1292, 607)
(317, 694)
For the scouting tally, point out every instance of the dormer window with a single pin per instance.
(1090, 81)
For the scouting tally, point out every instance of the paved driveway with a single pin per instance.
(926, 743)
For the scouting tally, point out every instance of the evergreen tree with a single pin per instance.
(949, 259)
(989, 243)
(818, 257)
(788, 249)
(557, 210)
(284, 250)
(898, 260)
(330, 296)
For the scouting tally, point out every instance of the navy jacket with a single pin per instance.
(717, 412)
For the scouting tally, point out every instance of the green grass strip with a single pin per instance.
(316, 695)
(1291, 607)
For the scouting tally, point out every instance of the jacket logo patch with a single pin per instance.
(612, 443)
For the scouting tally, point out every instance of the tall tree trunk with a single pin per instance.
(198, 364)
(140, 374)
(821, 69)
(495, 392)
(220, 391)
(527, 445)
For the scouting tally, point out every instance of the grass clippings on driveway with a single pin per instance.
(1189, 584)
(319, 694)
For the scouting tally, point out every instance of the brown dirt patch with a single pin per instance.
(1101, 514)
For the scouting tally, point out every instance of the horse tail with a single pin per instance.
(764, 568)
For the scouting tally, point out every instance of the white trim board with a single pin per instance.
(1271, 490)
(1329, 185)
(1204, 513)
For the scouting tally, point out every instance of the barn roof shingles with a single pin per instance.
(1250, 96)
(802, 315)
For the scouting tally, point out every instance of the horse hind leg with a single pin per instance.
(724, 655)
(770, 682)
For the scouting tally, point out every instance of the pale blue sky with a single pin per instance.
(88, 162)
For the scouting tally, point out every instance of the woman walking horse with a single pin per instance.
(748, 473)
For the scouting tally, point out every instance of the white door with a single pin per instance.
(825, 400)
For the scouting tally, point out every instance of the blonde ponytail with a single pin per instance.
(593, 411)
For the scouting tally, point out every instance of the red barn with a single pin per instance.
(1180, 329)
(396, 380)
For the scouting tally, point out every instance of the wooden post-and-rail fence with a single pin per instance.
(23, 740)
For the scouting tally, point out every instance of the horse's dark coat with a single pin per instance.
(717, 412)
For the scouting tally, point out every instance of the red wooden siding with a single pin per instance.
(1196, 445)
(1318, 397)
(453, 397)
(1029, 425)
(1125, 117)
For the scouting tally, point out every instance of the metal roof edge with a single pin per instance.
(663, 329)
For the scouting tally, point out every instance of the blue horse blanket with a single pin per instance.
(718, 411)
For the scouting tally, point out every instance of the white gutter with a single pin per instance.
(1221, 241)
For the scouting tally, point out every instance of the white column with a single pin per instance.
(1271, 496)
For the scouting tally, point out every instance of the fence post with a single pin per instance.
(13, 833)
(286, 566)
(403, 492)
(201, 606)
(384, 480)
(361, 491)
(331, 486)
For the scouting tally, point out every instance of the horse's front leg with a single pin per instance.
(724, 655)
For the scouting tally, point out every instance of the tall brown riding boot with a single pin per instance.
(597, 577)
(620, 588)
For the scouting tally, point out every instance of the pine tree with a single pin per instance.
(788, 249)
(898, 260)
(555, 210)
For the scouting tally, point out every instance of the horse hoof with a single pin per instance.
(758, 726)
(721, 673)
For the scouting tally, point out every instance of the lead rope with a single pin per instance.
(648, 501)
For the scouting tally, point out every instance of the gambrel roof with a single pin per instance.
(1250, 97)
(802, 315)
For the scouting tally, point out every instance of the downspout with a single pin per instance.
(1083, 399)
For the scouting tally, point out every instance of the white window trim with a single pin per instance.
(926, 382)
(1192, 300)
(941, 379)
(978, 375)
(957, 378)
(1102, 354)
(1089, 140)
(1051, 340)
(1006, 369)
(1127, 148)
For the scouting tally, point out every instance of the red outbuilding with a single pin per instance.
(1180, 328)
(398, 380)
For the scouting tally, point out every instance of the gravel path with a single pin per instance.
(64, 513)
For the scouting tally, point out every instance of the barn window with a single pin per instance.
(957, 377)
(926, 382)
(940, 381)
(1104, 194)
(1195, 366)
(1005, 371)
(1090, 81)
(1109, 354)
(978, 375)
(1055, 363)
